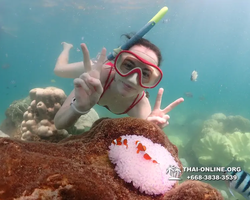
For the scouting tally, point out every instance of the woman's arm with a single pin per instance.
(66, 116)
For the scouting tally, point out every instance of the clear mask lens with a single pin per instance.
(127, 64)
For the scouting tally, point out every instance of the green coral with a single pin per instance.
(176, 141)
(213, 124)
(241, 144)
(15, 111)
(236, 123)
(214, 149)
(224, 139)
(227, 124)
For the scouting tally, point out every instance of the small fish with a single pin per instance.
(202, 98)
(120, 141)
(82, 38)
(77, 49)
(52, 80)
(194, 76)
(12, 82)
(148, 157)
(164, 21)
(142, 148)
(139, 146)
(188, 94)
(241, 185)
(5, 66)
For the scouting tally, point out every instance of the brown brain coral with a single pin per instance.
(79, 167)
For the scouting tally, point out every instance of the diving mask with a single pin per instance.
(128, 62)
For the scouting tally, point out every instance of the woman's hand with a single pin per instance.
(88, 87)
(159, 116)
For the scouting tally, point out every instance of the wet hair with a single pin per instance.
(146, 43)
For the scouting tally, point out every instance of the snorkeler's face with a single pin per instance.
(136, 70)
(139, 67)
(128, 86)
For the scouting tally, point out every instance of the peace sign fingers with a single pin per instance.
(172, 105)
(97, 67)
(86, 58)
(158, 99)
(94, 71)
(169, 107)
(159, 116)
(102, 58)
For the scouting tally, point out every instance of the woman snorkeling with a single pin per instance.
(118, 86)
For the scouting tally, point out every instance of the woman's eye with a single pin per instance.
(128, 66)
(145, 75)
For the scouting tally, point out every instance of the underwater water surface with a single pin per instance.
(211, 37)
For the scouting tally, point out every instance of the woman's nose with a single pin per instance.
(133, 78)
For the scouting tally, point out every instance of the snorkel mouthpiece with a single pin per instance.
(139, 34)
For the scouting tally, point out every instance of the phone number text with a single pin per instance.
(213, 177)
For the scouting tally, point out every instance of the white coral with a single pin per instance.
(38, 119)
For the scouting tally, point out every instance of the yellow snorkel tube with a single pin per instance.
(140, 33)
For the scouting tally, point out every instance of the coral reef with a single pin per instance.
(32, 118)
(14, 117)
(177, 141)
(16, 110)
(38, 120)
(241, 146)
(224, 140)
(214, 149)
(193, 190)
(79, 167)
(227, 124)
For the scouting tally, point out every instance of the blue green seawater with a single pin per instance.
(212, 37)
